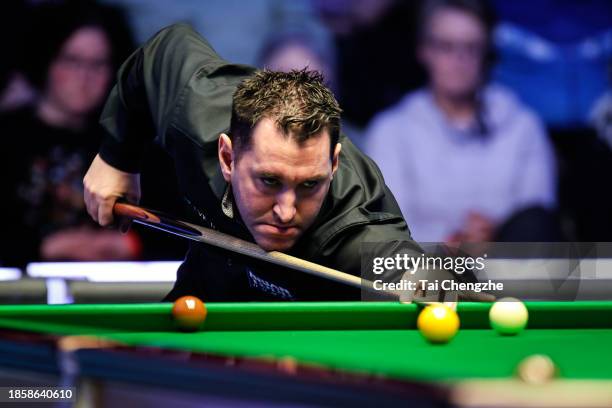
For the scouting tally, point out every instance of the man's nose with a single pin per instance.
(284, 209)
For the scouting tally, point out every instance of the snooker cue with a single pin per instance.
(219, 239)
(228, 242)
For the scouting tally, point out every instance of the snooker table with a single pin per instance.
(312, 353)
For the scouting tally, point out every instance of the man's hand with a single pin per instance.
(104, 185)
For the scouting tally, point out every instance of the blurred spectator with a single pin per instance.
(464, 158)
(289, 50)
(286, 51)
(554, 53)
(237, 28)
(72, 54)
(376, 60)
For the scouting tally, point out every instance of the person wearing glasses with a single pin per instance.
(466, 160)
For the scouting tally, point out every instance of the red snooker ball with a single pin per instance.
(189, 313)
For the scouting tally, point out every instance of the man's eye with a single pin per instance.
(269, 181)
(310, 184)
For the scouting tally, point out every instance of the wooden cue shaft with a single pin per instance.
(325, 272)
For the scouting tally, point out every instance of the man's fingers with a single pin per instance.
(90, 205)
(105, 212)
(103, 185)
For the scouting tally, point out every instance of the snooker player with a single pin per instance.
(258, 155)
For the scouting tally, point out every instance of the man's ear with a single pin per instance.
(336, 158)
(226, 156)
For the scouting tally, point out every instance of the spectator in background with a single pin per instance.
(465, 159)
(286, 51)
(298, 49)
(72, 55)
(237, 28)
(374, 72)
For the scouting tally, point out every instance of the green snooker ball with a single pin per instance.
(508, 316)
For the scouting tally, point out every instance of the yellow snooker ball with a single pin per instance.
(508, 316)
(438, 323)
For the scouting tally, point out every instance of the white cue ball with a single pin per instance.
(508, 316)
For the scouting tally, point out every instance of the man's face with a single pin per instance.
(453, 52)
(278, 184)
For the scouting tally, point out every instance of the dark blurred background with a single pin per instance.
(530, 76)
